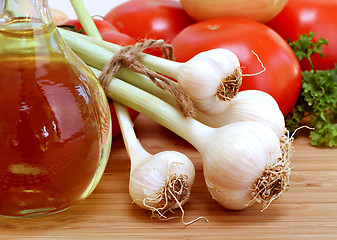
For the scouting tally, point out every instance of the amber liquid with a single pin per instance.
(49, 136)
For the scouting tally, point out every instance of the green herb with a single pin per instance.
(318, 98)
(304, 47)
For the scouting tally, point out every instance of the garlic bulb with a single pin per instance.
(232, 167)
(162, 182)
(211, 79)
(243, 162)
(253, 105)
(159, 182)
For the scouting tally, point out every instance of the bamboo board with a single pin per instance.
(307, 211)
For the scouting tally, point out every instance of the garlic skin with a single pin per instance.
(148, 179)
(248, 105)
(201, 77)
(232, 167)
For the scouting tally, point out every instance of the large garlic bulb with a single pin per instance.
(232, 167)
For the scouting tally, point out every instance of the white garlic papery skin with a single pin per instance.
(201, 76)
(248, 105)
(149, 178)
(232, 167)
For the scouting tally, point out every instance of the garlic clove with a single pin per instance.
(203, 83)
(230, 196)
(210, 106)
(249, 105)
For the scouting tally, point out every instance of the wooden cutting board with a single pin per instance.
(307, 211)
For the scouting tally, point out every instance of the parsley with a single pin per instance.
(318, 98)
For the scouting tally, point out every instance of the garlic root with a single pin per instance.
(174, 191)
(275, 179)
(230, 86)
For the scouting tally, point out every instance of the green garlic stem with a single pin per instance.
(85, 19)
(11, 10)
(8, 6)
(158, 110)
(158, 64)
(126, 94)
(92, 54)
(156, 104)
(145, 83)
(97, 57)
(135, 150)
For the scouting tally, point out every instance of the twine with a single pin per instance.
(127, 57)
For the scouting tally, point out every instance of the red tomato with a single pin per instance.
(108, 32)
(302, 16)
(149, 19)
(282, 78)
(102, 25)
(118, 38)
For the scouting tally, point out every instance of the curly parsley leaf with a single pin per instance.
(304, 47)
(318, 99)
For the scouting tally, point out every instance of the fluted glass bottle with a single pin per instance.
(55, 125)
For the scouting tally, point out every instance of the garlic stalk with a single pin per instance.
(243, 162)
(259, 106)
(211, 78)
(253, 105)
(160, 182)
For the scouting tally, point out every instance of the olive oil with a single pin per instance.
(54, 122)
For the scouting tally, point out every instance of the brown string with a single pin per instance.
(127, 56)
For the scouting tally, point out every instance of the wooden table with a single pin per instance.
(307, 211)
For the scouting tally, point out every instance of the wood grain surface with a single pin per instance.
(307, 211)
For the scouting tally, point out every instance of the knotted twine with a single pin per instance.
(127, 57)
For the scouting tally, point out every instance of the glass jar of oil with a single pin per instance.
(55, 125)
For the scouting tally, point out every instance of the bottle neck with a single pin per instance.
(35, 11)
(27, 29)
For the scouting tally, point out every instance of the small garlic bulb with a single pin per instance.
(211, 78)
(249, 105)
(162, 182)
(231, 168)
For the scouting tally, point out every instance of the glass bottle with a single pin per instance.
(55, 125)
